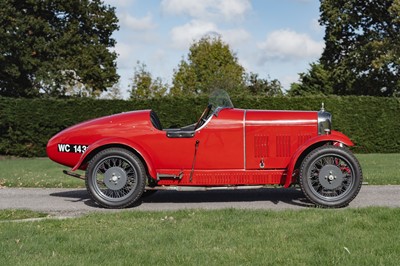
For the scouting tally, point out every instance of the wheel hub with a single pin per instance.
(115, 178)
(330, 177)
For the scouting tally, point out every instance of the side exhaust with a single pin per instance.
(82, 177)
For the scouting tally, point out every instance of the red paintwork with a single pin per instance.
(275, 135)
(335, 137)
(233, 146)
(225, 177)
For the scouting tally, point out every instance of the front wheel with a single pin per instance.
(115, 178)
(330, 177)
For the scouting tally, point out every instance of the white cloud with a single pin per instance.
(183, 36)
(208, 9)
(191, 8)
(124, 51)
(235, 36)
(137, 24)
(233, 9)
(288, 45)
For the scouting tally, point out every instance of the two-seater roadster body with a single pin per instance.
(129, 155)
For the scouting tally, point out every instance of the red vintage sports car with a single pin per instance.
(129, 155)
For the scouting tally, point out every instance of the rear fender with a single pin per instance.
(117, 142)
(335, 137)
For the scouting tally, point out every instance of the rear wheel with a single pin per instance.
(115, 178)
(330, 176)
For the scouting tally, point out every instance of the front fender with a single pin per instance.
(335, 136)
(120, 142)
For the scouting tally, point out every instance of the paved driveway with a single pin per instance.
(72, 202)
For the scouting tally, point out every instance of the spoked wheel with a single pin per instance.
(115, 178)
(330, 176)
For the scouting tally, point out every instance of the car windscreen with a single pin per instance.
(220, 99)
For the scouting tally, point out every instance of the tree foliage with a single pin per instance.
(315, 81)
(113, 93)
(144, 86)
(52, 46)
(362, 52)
(210, 65)
(259, 86)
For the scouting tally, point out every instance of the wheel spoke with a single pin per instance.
(330, 176)
(115, 178)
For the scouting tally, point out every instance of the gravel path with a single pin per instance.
(75, 202)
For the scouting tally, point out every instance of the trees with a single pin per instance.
(258, 86)
(48, 46)
(362, 52)
(144, 86)
(113, 93)
(210, 65)
(315, 81)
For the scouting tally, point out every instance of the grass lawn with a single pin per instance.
(369, 236)
(35, 172)
(19, 214)
(378, 169)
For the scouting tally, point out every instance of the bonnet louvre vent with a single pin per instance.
(260, 146)
(302, 139)
(282, 146)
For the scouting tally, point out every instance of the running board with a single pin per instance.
(198, 188)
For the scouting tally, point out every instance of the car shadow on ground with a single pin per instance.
(291, 196)
(274, 195)
(76, 196)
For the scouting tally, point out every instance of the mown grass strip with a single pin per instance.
(8, 215)
(35, 172)
(193, 237)
(378, 169)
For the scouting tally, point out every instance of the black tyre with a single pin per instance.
(115, 178)
(330, 177)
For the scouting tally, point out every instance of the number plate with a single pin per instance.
(73, 148)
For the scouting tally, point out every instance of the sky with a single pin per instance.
(277, 39)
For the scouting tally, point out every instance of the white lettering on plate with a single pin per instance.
(74, 148)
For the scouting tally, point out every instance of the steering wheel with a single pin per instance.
(203, 117)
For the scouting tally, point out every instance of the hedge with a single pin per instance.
(27, 124)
